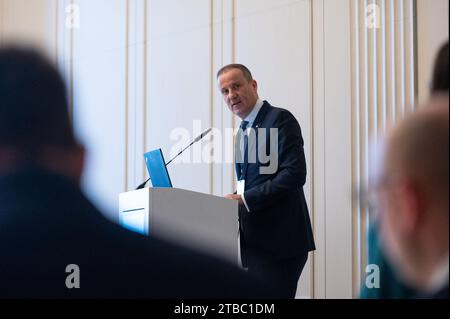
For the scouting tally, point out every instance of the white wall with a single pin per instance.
(179, 84)
(138, 69)
(100, 96)
(432, 32)
(335, 156)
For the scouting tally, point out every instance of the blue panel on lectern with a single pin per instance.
(156, 167)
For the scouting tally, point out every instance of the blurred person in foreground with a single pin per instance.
(390, 286)
(53, 242)
(412, 194)
(439, 82)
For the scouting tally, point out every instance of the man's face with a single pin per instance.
(239, 93)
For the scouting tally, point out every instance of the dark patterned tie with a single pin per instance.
(241, 148)
(244, 125)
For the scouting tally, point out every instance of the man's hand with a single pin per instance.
(235, 197)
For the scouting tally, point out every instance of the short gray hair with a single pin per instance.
(243, 68)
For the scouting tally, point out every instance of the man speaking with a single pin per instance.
(275, 229)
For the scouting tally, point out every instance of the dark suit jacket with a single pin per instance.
(278, 224)
(46, 223)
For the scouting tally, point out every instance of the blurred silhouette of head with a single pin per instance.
(35, 127)
(413, 193)
(440, 72)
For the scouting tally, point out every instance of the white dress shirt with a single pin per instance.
(251, 119)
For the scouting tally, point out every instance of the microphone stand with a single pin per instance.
(194, 141)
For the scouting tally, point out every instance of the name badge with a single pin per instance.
(241, 187)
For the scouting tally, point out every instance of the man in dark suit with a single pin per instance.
(412, 196)
(275, 229)
(53, 242)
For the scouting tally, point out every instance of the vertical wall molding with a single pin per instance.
(318, 149)
(126, 101)
(212, 27)
(336, 143)
(71, 72)
(64, 48)
(383, 91)
(224, 53)
(332, 169)
(136, 91)
(216, 55)
(56, 7)
(145, 83)
(309, 273)
(3, 13)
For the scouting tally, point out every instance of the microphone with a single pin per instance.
(143, 184)
(202, 135)
(198, 138)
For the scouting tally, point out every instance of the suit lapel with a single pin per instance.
(252, 139)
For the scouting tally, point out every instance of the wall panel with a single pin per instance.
(101, 93)
(384, 89)
(179, 86)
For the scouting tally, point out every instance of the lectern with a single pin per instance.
(203, 222)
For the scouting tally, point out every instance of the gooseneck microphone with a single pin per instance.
(198, 138)
(143, 184)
